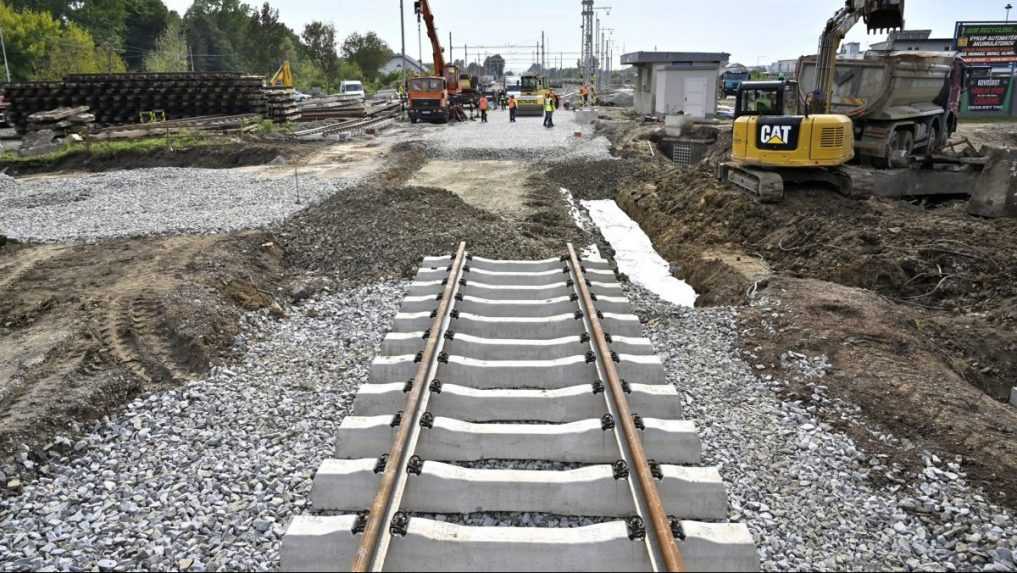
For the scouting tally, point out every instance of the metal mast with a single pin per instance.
(587, 57)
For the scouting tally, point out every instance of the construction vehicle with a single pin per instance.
(437, 98)
(770, 146)
(899, 102)
(532, 91)
(283, 77)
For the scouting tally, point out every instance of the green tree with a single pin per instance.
(319, 38)
(369, 52)
(170, 52)
(146, 21)
(41, 48)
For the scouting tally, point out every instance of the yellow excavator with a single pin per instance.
(779, 138)
(283, 77)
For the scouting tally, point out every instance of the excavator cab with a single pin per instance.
(767, 98)
(882, 15)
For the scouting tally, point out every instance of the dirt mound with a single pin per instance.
(396, 226)
(84, 328)
(590, 180)
(915, 306)
(885, 363)
(205, 156)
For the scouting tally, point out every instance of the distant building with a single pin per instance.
(851, 51)
(787, 68)
(397, 63)
(676, 82)
(913, 41)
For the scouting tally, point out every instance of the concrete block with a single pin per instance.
(424, 303)
(420, 288)
(496, 349)
(521, 308)
(501, 292)
(439, 546)
(621, 325)
(386, 369)
(526, 278)
(518, 374)
(316, 544)
(412, 322)
(553, 406)
(398, 343)
(549, 327)
(718, 547)
(581, 442)
(518, 266)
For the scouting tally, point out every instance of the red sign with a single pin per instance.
(989, 94)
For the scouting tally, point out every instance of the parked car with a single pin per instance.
(352, 88)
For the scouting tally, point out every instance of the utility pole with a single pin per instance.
(3, 44)
(1008, 7)
(402, 31)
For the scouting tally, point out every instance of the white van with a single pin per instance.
(352, 88)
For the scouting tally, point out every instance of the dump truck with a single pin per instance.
(898, 102)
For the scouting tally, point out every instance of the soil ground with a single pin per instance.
(915, 305)
(85, 328)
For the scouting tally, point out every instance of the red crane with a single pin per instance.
(436, 97)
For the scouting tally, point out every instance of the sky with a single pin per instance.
(754, 32)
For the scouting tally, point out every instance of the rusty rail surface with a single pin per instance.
(647, 484)
(380, 508)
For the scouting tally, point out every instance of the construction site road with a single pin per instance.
(164, 400)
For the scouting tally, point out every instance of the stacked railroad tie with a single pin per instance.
(503, 375)
(281, 104)
(117, 99)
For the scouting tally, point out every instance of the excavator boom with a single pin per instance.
(423, 8)
(879, 15)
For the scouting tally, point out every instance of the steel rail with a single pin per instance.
(659, 520)
(347, 125)
(393, 479)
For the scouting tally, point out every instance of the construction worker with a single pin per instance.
(584, 92)
(483, 108)
(512, 105)
(549, 109)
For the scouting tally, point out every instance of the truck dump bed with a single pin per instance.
(886, 86)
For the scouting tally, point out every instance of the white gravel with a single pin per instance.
(805, 491)
(154, 201)
(527, 139)
(206, 477)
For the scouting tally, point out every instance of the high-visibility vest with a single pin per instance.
(513, 103)
(548, 103)
(483, 104)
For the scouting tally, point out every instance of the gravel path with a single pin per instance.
(527, 139)
(802, 488)
(207, 476)
(153, 201)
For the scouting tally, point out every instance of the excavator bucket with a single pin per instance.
(883, 15)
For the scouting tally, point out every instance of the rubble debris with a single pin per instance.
(63, 121)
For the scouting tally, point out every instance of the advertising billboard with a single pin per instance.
(986, 42)
(989, 95)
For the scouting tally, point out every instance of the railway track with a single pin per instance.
(353, 126)
(492, 369)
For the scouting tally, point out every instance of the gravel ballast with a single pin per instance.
(207, 476)
(527, 139)
(807, 494)
(130, 203)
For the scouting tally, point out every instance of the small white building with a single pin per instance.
(397, 63)
(669, 83)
